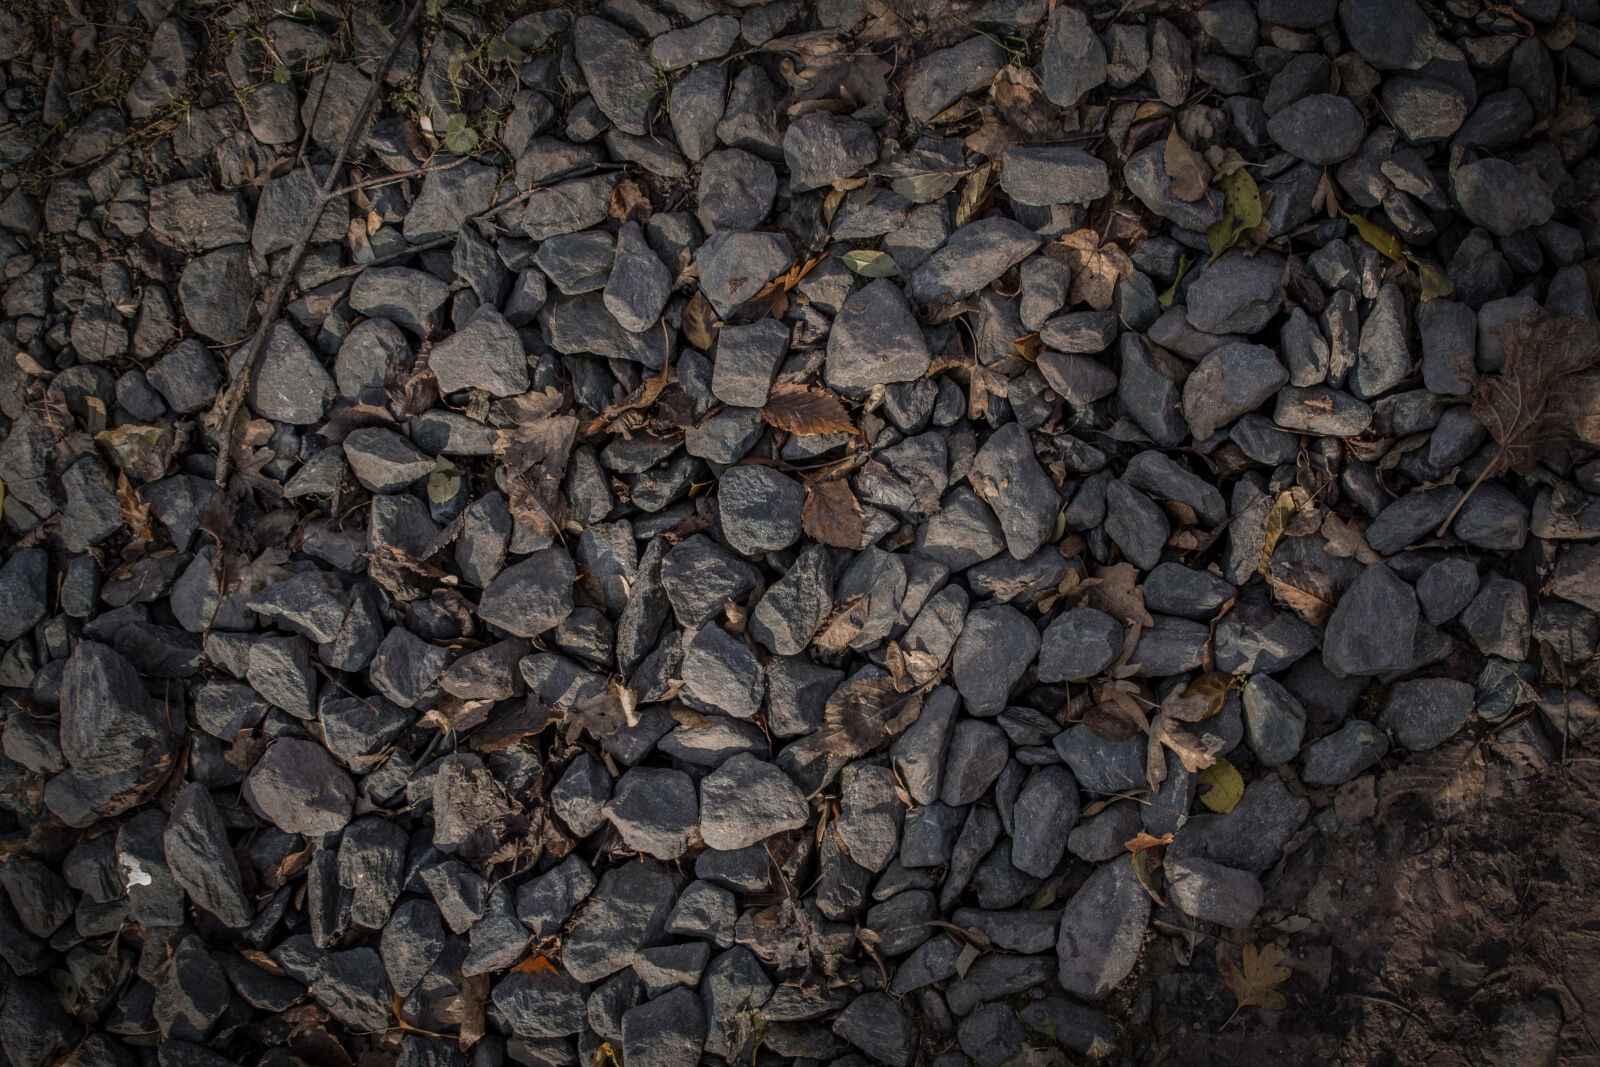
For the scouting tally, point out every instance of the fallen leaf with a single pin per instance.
(537, 965)
(1436, 284)
(1109, 725)
(1252, 985)
(1522, 406)
(444, 482)
(1220, 786)
(1307, 590)
(802, 409)
(842, 625)
(135, 512)
(1241, 210)
(832, 515)
(1346, 540)
(871, 264)
(1379, 238)
(1143, 840)
(863, 714)
(700, 324)
(1117, 592)
(465, 1009)
(1096, 267)
(143, 451)
(1189, 171)
(1170, 293)
(629, 202)
(972, 195)
(1283, 509)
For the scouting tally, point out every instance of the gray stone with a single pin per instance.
(1213, 893)
(655, 811)
(1046, 811)
(993, 652)
(1322, 129)
(1499, 197)
(1425, 713)
(820, 148)
(1079, 644)
(875, 339)
(669, 1031)
(617, 71)
(870, 815)
(735, 264)
(1372, 629)
(299, 789)
(1136, 524)
(874, 1023)
(1044, 176)
(1102, 930)
(789, 613)
(759, 509)
(941, 78)
(1237, 294)
(1275, 723)
(201, 860)
(736, 189)
(1007, 476)
(1383, 357)
(529, 597)
(745, 801)
(1343, 754)
(747, 356)
(974, 256)
(409, 298)
(290, 384)
(627, 911)
(722, 673)
(1073, 62)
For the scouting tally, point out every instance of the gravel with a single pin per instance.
(667, 570)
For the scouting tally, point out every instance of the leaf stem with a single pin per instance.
(1448, 519)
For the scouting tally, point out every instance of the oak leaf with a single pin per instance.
(1253, 983)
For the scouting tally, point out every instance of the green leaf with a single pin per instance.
(1379, 238)
(870, 264)
(1436, 284)
(444, 483)
(1241, 210)
(1171, 291)
(283, 75)
(459, 137)
(1221, 786)
(501, 50)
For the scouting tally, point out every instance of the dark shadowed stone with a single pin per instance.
(1074, 61)
(1102, 930)
(299, 788)
(1372, 628)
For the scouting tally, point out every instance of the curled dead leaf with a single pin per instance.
(802, 409)
(832, 515)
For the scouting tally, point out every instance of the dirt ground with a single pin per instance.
(1449, 915)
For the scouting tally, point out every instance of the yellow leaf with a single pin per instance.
(1379, 238)
(972, 194)
(444, 483)
(1221, 786)
(1241, 210)
(1253, 984)
(1171, 291)
(870, 264)
(1028, 346)
(1436, 284)
(1283, 509)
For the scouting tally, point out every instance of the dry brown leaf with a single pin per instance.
(465, 1009)
(910, 669)
(1106, 723)
(832, 515)
(629, 202)
(804, 409)
(1308, 591)
(641, 399)
(1096, 267)
(1347, 540)
(135, 512)
(1116, 591)
(841, 626)
(1190, 173)
(1521, 406)
(1020, 101)
(865, 713)
(700, 323)
(1253, 985)
(1143, 840)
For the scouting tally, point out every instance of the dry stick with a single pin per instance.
(228, 409)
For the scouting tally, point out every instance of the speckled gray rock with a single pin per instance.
(1237, 294)
(1074, 61)
(994, 651)
(1102, 930)
(1373, 625)
(1043, 176)
(745, 801)
(1234, 379)
(1343, 754)
(1425, 712)
(1078, 644)
(875, 339)
(1322, 129)
(1213, 893)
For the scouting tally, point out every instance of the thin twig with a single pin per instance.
(1448, 519)
(232, 401)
